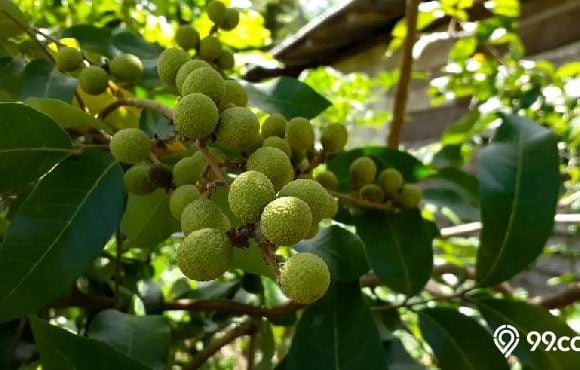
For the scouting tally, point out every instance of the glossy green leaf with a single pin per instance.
(454, 189)
(399, 248)
(342, 251)
(155, 124)
(8, 28)
(147, 220)
(463, 49)
(267, 346)
(41, 79)
(30, 145)
(399, 358)
(11, 78)
(142, 338)
(251, 260)
(58, 231)
(458, 341)
(461, 130)
(129, 42)
(92, 38)
(62, 350)
(337, 332)
(66, 115)
(287, 96)
(518, 186)
(525, 318)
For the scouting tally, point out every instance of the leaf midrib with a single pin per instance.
(399, 251)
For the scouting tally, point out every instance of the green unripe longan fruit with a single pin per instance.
(186, 69)
(362, 171)
(327, 179)
(277, 142)
(216, 11)
(334, 138)
(226, 61)
(410, 196)
(130, 145)
(188, 170)
(207, 81)
(304, 278)
(234, 94)
(300, 134)
(273, 163)
(161, 175)
(286, 221)
(93, 80)
(231, 20)
(126, 67)
(169, 63)
(136, 180)
(195, 116)
(238, 129)
(313, 231)
(186, 37)
(390, 180)
(68, 59)
(321, 204)
(202, 213)
(274, 125)
(205, 254)
(210, 48)
(249, 193)
(372, 193)
(181, 198)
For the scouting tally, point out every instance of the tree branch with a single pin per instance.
(211, 161)
(360, 202)
(559, 300)
(402, 93)
(134, 102)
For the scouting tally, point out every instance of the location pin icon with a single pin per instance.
(506, 339)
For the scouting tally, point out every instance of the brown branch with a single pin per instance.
(402, 93)
(211, 161)
(360, 202)
(134, 102)
(30, 34)
(246, 327)
(251, 353)
(559, 300)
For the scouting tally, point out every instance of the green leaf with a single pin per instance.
(251, 260)
(267, 346)
(462, 129)
(456, 190)
(287, 96)
(30, 145)
(62, 350)
(142, 338)
(92, 38)
(399, 248)
(147, 220)
(11, 77)
(411, 169)
(337, 332)
(525, 318)
(42, 79)
(463, 49)
(458, 341)
(66, 115)
(58, 231)
(155, 124)
(129, 42)
(8, 28)
(518, 186)
(342, 251)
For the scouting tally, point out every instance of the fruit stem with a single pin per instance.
(360, 202)
(210, 160)
(134, 102)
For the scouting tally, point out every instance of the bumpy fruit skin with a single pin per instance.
(300, 134)
(202, 213)
(205, 255)
(274, 125)
(304, 278)
(231, 20)
(226, 61)
(327, 179)
(321, 204)
(286, 221)
(410, 196)
(207, 81)
(186, 69)
(68, 59)
(390, 180)
(130, 145)
(273, 163)
(216, 11)
(186, 37)
(249, 193)
(181, 198)
(169, 63)
(277, 142)
(334, 138)
(234, 94)
(126, 67)
(188, 170)
(372, 193)
(195, 116)
(93, 80)
(238, 128)
(136, 180)
(210, 48)
(161, 175)
(362, 171)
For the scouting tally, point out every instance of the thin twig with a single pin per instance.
(134, 102)
(559, 300)
(211, 161)
(118, 255)
(360, 202)
(31, 34)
